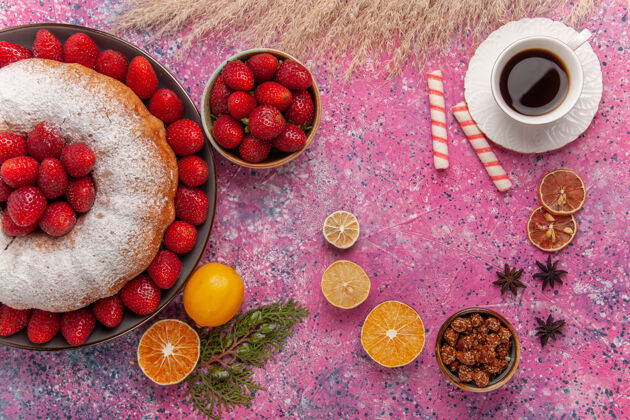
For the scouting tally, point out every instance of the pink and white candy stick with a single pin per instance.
(438, 119)
(482, 148)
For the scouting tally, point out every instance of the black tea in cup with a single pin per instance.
(534, 82)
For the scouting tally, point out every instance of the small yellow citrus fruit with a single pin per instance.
(213, 295)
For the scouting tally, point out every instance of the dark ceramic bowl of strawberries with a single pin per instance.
(261, 108)
(55, 173)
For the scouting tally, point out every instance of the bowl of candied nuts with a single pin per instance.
(477, 349)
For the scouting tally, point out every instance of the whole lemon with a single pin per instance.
(213, 295)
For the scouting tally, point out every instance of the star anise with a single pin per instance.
(550, 273)
(509, 280)
(548, 329)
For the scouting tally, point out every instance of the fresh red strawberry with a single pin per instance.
(47, 45)
(141, 78)
(266, 122)
(238, 76)
(293, 75)
(165, 269)
(19, 171)
(290, 140)
(193, 171)
(80, 48)
(219, 97)
(227, 131)
(180, 237)
(76, 326)
(302, 110)
(274, 94)
(52, 178)
(58, 219)
(191, 205)
(81, 194)
(12, 320)
(166, 106)
(43, 326)
(185, 137)
(263, 66)
(10, 228)
(45, 141)
(11, 145)
(254, 150)
(113, 64)
(141, 295)
(10, 53)
(26, 206)
(5, 190)
(77, 159)
(109, 311)
(241, 104)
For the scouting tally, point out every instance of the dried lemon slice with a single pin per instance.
(550, 232)
(562, 192)
(341, 229)
(345, 284)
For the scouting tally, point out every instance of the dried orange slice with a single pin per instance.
(168, 351)
(345, 284)
(550, 232)
(393, 334)
(562, 192)
(341, 229)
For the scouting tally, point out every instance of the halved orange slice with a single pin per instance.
(393, 334)
(345, 284)
(168, 351)
(341, 229)
(549, 232)
(562, 192)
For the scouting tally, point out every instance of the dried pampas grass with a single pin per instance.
(357, 30)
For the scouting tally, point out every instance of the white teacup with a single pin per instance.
(565, 52)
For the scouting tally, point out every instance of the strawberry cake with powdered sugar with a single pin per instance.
(135, 176)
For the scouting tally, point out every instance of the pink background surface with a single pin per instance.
(432, 240)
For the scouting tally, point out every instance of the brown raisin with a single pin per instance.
(481, 378)
(450, 336)
(482, 329)
(504, 335)
(496, 366)
(493, 323)
(469, 358)
(502, 351)
(448, 353)
(476, 320)
(486, 354)
(492, 340)
(465, 373)
(465, 342)
(454, 366)
(503, 364)
(492, 368)
(460, 324)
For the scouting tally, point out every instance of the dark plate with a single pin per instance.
(25, 35)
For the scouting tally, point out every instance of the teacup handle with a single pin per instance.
(579, 39)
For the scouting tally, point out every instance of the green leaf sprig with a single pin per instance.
(223, 377)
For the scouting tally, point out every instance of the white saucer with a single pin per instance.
(513, 135)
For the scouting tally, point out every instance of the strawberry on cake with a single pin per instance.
(116, 171)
